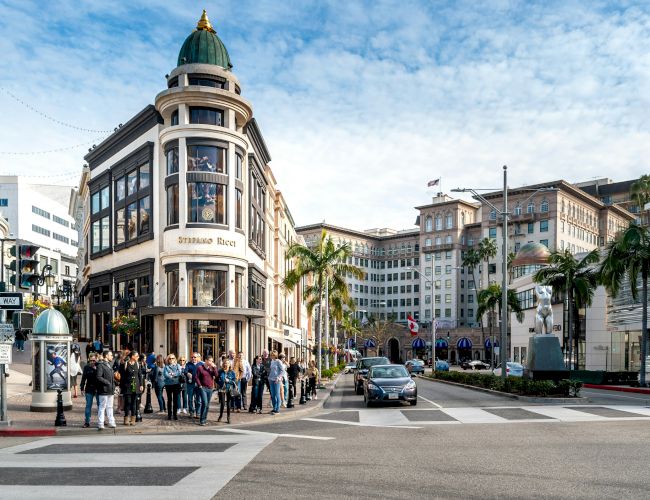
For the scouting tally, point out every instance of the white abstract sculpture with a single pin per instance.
(544, 316)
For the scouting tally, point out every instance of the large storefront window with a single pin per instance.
(208, 337)
(239, 289)
(207, 287)
(172, 160)
(172, 287)
(206, 159)
(173, 213)
(206, 202)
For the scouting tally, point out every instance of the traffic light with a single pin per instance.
(25, 266)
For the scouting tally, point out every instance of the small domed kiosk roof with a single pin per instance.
(531, 254)
(203, 46)
(51, 322)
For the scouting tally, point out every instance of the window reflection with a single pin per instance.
(172, 161)
(206, 159)
(120, 189)
(207, 287)
(172, 288)
(206, 116)
(132, 221)
(132, 182)
(145, 215)
(207, 202)
(172, 204)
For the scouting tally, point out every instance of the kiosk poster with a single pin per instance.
(56, 366)
(36, 346)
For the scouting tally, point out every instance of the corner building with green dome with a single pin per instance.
(185, 228)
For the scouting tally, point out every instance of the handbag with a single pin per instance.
(234, 392)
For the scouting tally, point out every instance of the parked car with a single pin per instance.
(442, 365)
(387, 383)
(361, 370)
(474, 365)
(415, 366)
(349, 368)
(512, 369)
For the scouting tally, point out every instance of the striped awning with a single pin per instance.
(370, 343)
(464, 343)
(441, 344)
(488, 343)
(418, 343)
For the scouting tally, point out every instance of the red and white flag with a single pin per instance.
(413, 325)
(434, 182)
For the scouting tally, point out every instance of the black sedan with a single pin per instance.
(388, 383)
(474, 365)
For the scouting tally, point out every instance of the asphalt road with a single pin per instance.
(456, 443)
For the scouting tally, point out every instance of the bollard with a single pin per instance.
(138, 413)
(307, 391)
(147, 407)
(302, 392)
(291, 391)
(60, 417)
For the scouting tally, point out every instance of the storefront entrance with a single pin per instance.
(208, 346)
(208, 337)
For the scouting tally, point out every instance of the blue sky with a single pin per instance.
(360, 103)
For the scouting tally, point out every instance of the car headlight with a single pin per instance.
(410, 385)
(372, 387)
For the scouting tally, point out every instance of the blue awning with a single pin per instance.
(464, 343)
(488, 343)
(441, 344)
(369, 343)
(418, 343)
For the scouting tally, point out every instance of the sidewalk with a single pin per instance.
(24, 422)
(619, 388)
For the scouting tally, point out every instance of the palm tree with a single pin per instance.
(487, 249)
(327, 266)
(340, 302)
(472, 260)
(489, 300)
(628, 256)
(350, 326)
(577, 279)
(640, 192)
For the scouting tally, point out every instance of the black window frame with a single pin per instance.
(194, 116)
(96, 186)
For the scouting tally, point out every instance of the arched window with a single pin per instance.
(449, 221)
(517, 210)
(438, 222)
(428, 224)
(531, 208)
(544, 207)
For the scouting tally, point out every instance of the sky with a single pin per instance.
(361, 103)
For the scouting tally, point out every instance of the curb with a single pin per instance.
(163, 429)
(528, 399)
(637, 390)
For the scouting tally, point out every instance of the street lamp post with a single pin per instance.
(46, 277)
(433, 322)
(503, 355)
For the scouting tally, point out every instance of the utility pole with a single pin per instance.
(503, 351)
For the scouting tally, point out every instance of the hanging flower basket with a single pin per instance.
(127, 325)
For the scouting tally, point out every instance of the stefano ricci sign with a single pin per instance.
(199, 240)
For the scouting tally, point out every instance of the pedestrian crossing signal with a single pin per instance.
(25, 266)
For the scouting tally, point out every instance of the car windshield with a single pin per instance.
(367, 363)
(416, 362)
(388, 372)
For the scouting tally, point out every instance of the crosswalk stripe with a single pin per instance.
(473, 416)
(562, 413)
(383, 417)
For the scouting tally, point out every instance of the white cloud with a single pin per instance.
(361, 103)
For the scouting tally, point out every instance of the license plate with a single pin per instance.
(393, 396)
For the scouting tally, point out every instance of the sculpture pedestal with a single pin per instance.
(545, 360)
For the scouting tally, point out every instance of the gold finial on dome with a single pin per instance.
(204, 23)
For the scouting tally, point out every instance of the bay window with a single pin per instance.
(206, 202)
(207, 287)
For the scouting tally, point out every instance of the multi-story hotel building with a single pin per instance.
(183, 224)
(557, 215)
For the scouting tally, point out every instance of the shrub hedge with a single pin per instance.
(514, 385)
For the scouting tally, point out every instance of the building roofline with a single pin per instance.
(360, 234)
(252, 130)
(450, 202)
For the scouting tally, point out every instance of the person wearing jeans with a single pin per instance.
(88, 387)
(105, 389)
(206, 374)
(275, 381)
(258, 372)
(172, 374)
(244, 381)
(193, 393)
(132, 385)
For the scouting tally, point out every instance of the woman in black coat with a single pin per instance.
(131, 382)
(259, 376)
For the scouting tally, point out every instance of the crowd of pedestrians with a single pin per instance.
(186, 388)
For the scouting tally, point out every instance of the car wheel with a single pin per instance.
(413, 403)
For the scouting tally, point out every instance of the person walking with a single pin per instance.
(88, 387)
(284, 387)
(226, 382)
(172, 374)
(205, 377)
(21, 336)
(157, 378)
(275, 380)
(95, 346)
(238, 368)
(243, 386)
(132, 385)
(259, 375)
(193, 400)
(312, 375)
(105, 390)
(182, 405)
(266, 361)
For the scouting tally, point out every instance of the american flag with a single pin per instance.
(434, 182)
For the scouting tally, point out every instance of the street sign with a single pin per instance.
(7, 335)
(5, 354)
(11, 301)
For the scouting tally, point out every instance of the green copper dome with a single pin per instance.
(51, 322)
(203, 46)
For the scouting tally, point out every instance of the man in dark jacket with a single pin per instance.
(293, 371)
(88, 386)
(95, 346)
(105, 390)
(193, 395)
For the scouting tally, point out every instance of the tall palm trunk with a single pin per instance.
(576, 338)
(327, 323)
(644, 325)
(570, 326)
(336, 353)
(492, 340)
(320, 329)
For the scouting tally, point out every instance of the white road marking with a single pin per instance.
(473, 415)
(562, 413)
(429, 401)
(214, 472)
(645, 397)
(383, 417)
(299, 436)
(640, 410)
(359, 424)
